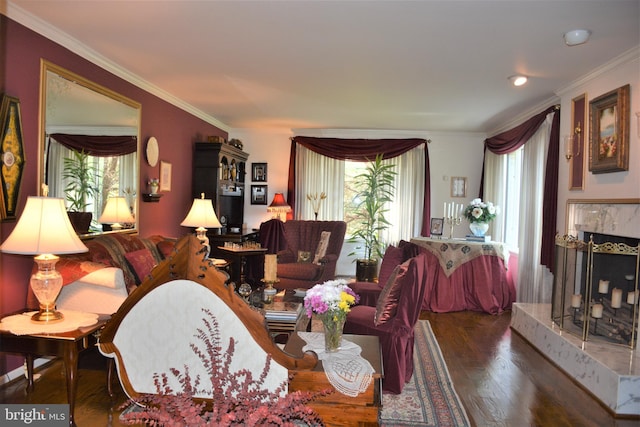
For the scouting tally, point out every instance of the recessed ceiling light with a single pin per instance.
(518, 80)
(576, 37)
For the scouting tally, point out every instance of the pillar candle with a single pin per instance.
(616, 298)
(270, 267)
(631, 298)
(575, 300)
(444, 212)
(603, 286)
(596, 311)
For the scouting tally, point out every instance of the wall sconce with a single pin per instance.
(571, 149)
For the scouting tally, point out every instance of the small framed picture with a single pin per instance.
(165, 176)
(609, 143)
(259, 172)
(258, 194)
(458, 186)
(437, 224)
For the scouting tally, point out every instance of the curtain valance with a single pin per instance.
(361, 150)
(98, 146)
(358, 150)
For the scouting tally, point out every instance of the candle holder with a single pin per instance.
(452, 221)
(269, 291)
(595, 326)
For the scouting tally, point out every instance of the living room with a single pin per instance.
(176, 129)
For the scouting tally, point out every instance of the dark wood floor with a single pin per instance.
(501, 380)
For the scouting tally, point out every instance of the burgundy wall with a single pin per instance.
(20, 53)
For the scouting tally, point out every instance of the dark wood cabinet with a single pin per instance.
(219, 171)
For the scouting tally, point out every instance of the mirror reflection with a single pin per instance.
(89, 146)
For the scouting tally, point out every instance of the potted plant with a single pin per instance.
(81, 179)
(374, 189)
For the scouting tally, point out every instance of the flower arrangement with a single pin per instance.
(316, 202)
(332, 300)
(238, 397)
(154, 182)
(479, 211)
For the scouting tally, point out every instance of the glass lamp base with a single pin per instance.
(46, 284)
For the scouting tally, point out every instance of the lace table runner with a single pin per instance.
(21, 324)
(346, 370)
(452, 253)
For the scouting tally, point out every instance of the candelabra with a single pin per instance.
(452, 221)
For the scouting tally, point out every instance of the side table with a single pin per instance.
(240, 256)
(337, 409)
(67, 345)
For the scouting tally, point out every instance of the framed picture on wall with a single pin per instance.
(458, 186)
(259, 172)
(258, 194)
(165, 176)
(609, 142)
(12, 155)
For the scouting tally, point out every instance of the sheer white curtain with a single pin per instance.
(405, 213)
(316, 174)
(534, 279)
(495, 190)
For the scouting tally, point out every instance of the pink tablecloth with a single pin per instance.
(480, 284)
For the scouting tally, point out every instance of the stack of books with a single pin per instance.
(472, 238)
(282, 311)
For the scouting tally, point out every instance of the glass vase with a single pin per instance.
(332, 332)
(479, 228)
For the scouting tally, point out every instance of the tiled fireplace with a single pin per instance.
(610, 371)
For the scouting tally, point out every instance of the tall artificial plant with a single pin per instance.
(374, 188)
(81, 179)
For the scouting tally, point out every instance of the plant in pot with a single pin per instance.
(81, 178)
(374, 189)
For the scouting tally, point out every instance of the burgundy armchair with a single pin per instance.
(300, 265)
(394, 320)
(393, 256)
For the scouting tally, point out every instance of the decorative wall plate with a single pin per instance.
(12, 150)
(153, 151)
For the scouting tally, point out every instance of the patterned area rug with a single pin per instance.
(429, 399)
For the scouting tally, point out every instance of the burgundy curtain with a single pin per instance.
(98, 146)
(361, 150)
(513, 139)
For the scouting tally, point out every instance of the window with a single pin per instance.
(316, 173)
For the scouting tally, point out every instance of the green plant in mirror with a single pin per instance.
(374, 188)
(81, 178)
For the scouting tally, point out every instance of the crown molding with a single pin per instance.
(54, 34)
(630, 55)
(526, 115)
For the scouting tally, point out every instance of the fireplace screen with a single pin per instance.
(595, 291)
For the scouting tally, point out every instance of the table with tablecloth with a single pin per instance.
(466, 275)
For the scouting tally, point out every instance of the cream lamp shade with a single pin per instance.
(202, 216)
(116, 211)
(279, 207)
(44, 229)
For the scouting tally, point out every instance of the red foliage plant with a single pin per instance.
(237, 399)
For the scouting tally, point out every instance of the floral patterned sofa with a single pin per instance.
(100, 279)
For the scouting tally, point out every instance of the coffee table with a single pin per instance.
(337, 409)
(67, 345)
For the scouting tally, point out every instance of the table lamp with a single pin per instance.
(44, 228)
(279, 207)
(116, 212)
(202, 216)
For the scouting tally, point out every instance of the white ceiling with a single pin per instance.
(431, 65)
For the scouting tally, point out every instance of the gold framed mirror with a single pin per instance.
(89, 145)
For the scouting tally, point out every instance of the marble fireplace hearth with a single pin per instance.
(610, 372)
